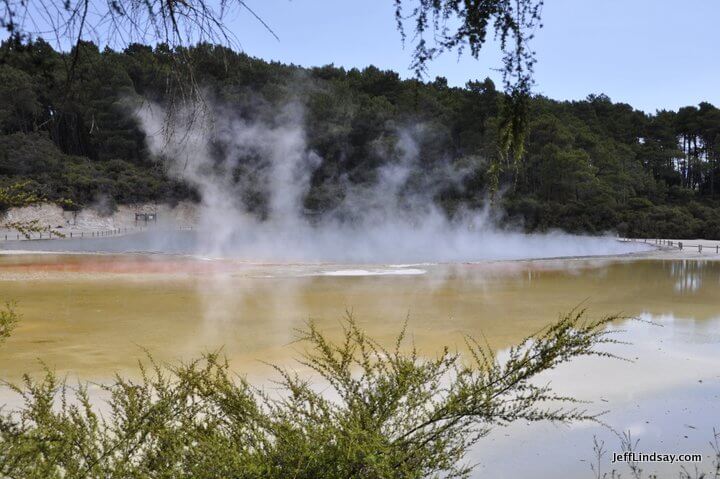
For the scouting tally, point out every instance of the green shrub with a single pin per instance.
(372, 413)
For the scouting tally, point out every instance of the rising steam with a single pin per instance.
(253, 177)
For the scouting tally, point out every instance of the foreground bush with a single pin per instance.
(372, 412)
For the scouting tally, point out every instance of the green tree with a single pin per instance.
(19, 107)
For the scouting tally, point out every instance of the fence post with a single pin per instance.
(699, 248)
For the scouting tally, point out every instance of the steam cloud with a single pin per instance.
(232, 161)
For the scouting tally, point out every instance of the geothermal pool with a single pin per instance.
(89, 315)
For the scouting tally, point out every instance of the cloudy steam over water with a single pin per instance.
(231, 160)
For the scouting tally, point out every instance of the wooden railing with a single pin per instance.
(680, 245)
(53, 235)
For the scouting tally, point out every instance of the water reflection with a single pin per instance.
(667, 397)
(88, 315)
(690, 274)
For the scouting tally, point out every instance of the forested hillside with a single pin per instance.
(590, 166)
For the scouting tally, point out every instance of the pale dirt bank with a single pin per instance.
(182, 216)
(667, 248)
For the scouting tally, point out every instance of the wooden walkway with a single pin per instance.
(680, 245)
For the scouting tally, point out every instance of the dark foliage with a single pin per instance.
(587, 166)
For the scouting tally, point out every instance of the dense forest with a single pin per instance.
(587, 166)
